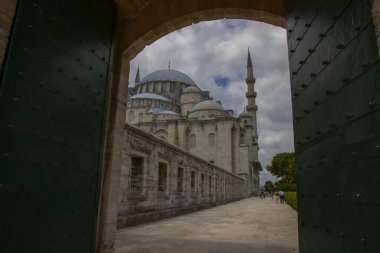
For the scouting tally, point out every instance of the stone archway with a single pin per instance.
(311, 27)
(168, 16)
(135, 29)
(335, 70)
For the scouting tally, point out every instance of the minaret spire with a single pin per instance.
(137, 79)
(249, 60)
(250, 68)
(250, 80)
(251, 97)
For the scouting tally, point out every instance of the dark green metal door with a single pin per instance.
(52, 116)
(335, 73)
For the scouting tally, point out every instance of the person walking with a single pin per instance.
(276, 196)
(281, 194)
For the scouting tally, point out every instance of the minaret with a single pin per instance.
(137, 79)
(252, 107)
(252, 129)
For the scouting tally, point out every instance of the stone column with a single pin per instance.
(114, 138)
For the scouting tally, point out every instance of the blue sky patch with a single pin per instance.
(232, 24)
(222, 81)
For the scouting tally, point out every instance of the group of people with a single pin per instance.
(279, 195)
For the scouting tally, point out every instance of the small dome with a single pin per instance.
(149, 95)
(207, 105)
(168, 75)
(244, 115)
(192, 89)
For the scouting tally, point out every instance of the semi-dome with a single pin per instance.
(207, 105)
(192, 89)
(149, 95)
(168, 75)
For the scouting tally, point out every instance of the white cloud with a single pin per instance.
(219, 48)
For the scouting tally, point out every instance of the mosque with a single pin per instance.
(169, 104)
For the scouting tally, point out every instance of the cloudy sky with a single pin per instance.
(214, 55)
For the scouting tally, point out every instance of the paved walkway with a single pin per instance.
(248, 226)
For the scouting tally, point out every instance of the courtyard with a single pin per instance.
(251, 225)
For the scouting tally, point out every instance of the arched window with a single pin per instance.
(193, 140)
(211, 140)
(131, 116)
(162, 134)
(140, 117)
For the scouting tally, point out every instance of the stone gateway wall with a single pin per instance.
(7, 9)
(376, 19)
(160, 180)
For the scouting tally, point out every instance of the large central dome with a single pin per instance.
(168, 75)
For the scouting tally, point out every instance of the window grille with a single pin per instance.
(136, 177)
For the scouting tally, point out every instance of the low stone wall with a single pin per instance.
(159, 180)
(7, 9)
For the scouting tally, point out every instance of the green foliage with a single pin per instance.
(291, 199)
(285, 186)
(283, 166)
(269, 186)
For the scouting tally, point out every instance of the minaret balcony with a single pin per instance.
(252, 107)
(251, 94)
(250, 80)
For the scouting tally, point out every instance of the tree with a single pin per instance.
(285, 186)
(269, 186)
(283, 166)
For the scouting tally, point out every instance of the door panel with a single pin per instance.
(335, 70)
(52, 116)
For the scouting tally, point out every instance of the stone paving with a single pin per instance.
(251, 225)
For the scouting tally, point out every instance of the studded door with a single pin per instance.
(52, 117)
(335, 73)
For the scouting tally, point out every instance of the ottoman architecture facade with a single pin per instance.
(168, 104)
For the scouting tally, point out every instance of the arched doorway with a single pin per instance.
(334, 64)
(316, 53)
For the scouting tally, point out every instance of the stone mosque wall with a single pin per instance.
(159, 180)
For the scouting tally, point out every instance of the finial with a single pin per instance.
(169, 65)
